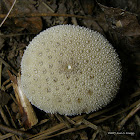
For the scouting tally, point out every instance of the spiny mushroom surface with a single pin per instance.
(70, 70)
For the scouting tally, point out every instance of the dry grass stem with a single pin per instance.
(45, 135)
(0, 72)
(94, 134)
(102, 111)
(15, 131)
(48, 131)
(89, 124)
(12, 121)
(42, 122)
(8, 13)
(78, 120)
(5, 82)
(70, 120)
(59, 117)
(115, 114)
(6, 136)
(130, 114)
(48, 7)
(4, 117)
(68, 131)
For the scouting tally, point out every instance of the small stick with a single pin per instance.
(62, 120)
(4, 116)
(43, 15)
(42, 122)
(89, 124)
(11, 35)
(95, 134)
(14, 99)
(6, 136)
(48, 7)
(0, 72)
(15, 131)
(8, 13)
(8, 86)
(130, 114)
(102, 111)
(61, 126)
(45, 135)
(12, 121)
(66, 131)
(6, 82)
(70, 120)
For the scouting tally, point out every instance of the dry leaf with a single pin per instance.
(123, 22)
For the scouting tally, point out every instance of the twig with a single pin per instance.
(130, 114)
(65, 131)
(124, 110)
(70, 120)
(55, 128)
(42, 122)
(14, 99)
(89, 124)
(94, 134)
(6, 85)
(102, 111)
(77, 119)
(0, 72)
(4, 116)
(15, 131)
(11, 35)
(6, 82)
(61, 126)
(62, 120)
(43, 15)
(48, 7)
(48, 131)
(12, 121)
(6, 136)
(8, 13)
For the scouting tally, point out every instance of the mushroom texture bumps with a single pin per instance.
(70, 70)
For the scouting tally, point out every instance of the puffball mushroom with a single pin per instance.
(70, 70)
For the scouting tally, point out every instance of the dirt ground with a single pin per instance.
(118, 21)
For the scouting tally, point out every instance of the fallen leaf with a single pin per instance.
(121, 21)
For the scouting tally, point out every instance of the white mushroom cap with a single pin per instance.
(70, 70)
